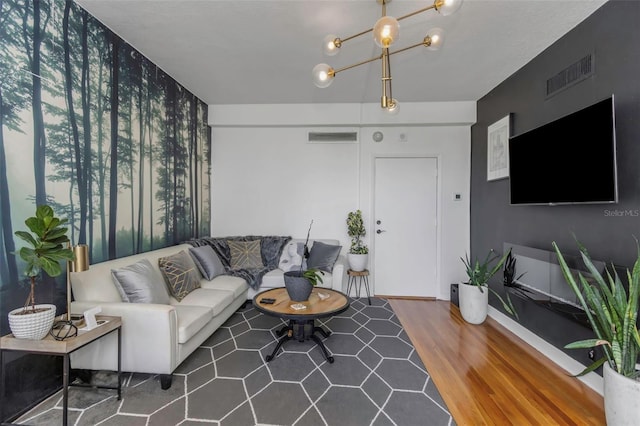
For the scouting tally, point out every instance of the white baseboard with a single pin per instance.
(593, 380)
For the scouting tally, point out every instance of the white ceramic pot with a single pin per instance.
(474, 304)
(621, 397)
(32, 326)
(358, 262)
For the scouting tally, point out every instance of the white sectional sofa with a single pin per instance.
(156, 338)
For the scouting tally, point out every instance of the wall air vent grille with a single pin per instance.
(571, 75)
(333, 137)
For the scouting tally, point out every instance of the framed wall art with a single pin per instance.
(498, 149)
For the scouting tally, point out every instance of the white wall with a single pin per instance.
(267, 180)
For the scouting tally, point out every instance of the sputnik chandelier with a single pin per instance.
(385, 32)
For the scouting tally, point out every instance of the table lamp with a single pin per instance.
(64, 329)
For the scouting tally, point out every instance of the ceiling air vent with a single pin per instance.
(571, 75)
(333, 137)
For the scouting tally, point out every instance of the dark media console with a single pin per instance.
(542, 281)
(545, 303)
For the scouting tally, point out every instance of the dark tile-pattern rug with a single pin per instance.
(377, 379)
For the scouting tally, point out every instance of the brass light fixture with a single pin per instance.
(385, 32)
(65, 328)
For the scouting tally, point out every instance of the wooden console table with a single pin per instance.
(64, 348)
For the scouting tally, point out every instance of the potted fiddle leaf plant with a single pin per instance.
(358, 255)
(44, 251)
(474, 293)
(612, 310)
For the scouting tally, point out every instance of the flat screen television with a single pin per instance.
(567, 161)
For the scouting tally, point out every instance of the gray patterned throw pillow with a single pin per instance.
(180, 273)
(245, 254)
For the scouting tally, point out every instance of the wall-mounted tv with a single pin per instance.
(567, 161)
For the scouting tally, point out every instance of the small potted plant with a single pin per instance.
(358, 253)
(46, 249)
(474, 294)
(300, 283)
(612, 310)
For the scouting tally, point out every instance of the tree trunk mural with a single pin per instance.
(91, 127)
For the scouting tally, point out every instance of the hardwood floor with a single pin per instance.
(489, 376)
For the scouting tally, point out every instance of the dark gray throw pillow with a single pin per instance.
(323, 256)
(140, 283)
(207, 261)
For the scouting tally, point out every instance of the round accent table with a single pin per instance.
(363, 279)
(301, 325)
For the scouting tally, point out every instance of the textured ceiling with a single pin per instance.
(263, 51)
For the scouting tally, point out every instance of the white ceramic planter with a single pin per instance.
(474, 304)
(358, 262)
(621, 398)
(32, 326)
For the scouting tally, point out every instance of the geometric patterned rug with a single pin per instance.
(377, 379)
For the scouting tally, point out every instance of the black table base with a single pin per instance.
(301, 330)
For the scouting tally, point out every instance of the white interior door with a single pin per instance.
(405, 230)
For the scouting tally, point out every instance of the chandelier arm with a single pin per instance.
(357, 64)
(407, 48)
(388, 72)
(409, 15)
(356, 35)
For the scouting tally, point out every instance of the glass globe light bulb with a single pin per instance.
(393, 108)
(434, 39)
(447, 7)
(323, 75)
(386, 31)
(331, 45)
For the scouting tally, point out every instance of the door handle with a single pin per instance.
(380, 231)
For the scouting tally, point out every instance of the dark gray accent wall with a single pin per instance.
(612, 34)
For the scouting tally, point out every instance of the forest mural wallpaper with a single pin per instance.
(91, 127)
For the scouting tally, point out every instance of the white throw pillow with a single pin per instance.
(292, 257)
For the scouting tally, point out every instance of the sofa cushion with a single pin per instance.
(180, 274)
(191, 319)
(273, 279)
(236, 285)
(217, 300)
(292, 257)
(207, 261)
(140, 283)
(323, 256)
(245, 254)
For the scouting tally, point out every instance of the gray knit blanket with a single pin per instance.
(270, 248)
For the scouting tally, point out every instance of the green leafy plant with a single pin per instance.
(509, 273)
(314, 276)
(46, 248)
(355, 229)
(479, 274)
(612, 312)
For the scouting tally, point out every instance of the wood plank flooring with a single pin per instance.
(489, 376)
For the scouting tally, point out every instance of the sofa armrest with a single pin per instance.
(149, 339)
(338, 273)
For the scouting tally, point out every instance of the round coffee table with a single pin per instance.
(301, 322)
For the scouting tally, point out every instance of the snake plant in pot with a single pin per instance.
(45, 250)
(474, 294)
(612, 310)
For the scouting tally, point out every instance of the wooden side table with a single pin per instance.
(64, 348)
(363, 279)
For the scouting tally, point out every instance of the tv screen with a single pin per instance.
(567, 161)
